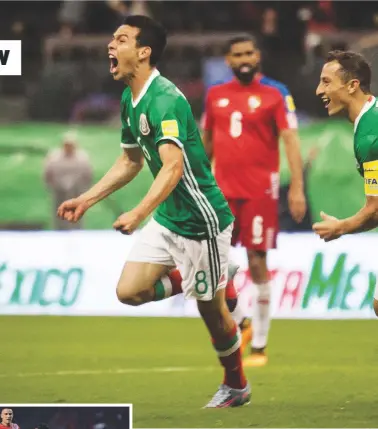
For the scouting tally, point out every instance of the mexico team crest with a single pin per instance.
(254, 102)
(143, 125)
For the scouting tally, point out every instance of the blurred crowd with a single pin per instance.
(283, 28)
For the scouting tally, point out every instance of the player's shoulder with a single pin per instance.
(368, 123)
(165, 91)
(126, 95)
(275, 85)
(220, 89)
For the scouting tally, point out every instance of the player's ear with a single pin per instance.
(144, 52)
(353, 85)
(258, 55)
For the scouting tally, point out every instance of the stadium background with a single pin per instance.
(66, 86)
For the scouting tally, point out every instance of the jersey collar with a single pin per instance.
(364, 109)
(154, 74)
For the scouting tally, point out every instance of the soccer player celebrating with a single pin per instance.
(192, 223)
(345, 87)
(6, 419)
(243, 122)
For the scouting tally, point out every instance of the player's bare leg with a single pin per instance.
(375, 305)
(261, 310)
(142, 282)
(235, 390)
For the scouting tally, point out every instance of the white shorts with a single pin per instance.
(203, 264)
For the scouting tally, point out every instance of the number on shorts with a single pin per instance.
(257, 230)
(201, 285)
(236, 124)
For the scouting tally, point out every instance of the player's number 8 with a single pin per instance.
(236, 124)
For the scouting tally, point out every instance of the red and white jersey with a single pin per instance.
(246, 121)
(12, 426)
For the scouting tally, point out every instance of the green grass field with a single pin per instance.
(320, 374)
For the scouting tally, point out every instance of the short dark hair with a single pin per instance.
(353, 66)
(151, 34)
(243, 37)
(42, 426)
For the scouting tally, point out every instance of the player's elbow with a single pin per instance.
(375, 306)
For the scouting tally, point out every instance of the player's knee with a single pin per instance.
(127, 297)
(375, 306)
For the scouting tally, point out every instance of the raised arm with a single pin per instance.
(124, 170)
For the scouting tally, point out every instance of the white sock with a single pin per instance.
(238, 314)
(261, 316)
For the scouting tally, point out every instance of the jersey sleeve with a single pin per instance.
(169, 119)
(207, 119)
(285, 116)
(368, 158)
(127, 139)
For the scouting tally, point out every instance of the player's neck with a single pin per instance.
(357, 105)
(137, 82)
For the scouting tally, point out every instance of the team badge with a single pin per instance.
(254, 102)
(170, 128)
(223, 102)
(143, 125)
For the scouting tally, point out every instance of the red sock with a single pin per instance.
(176, 280)
(231, 360)
(168, 285)
(231, 291)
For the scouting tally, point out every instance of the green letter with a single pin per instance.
(320, 285)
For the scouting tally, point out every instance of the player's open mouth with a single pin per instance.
(326, 101)
(113, 63)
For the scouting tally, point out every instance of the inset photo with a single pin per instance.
(48, 416)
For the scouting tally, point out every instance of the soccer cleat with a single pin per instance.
(255, 359)
(246, 334)
(227, 397)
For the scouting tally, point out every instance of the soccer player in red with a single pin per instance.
(6, 419)
(243, 122)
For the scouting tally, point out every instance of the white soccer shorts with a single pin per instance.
(203, 264)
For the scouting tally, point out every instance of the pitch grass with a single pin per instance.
(320, 373)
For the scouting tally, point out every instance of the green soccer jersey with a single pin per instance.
(161, 114)
(366, 145)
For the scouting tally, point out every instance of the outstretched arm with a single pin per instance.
(163, 185)
(126, 167)
(124, 170)
(364, 220)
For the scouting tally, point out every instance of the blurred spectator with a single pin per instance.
(68, 173)
(287, 223)
(71, 16)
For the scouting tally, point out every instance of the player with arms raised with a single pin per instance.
(192, 224)
(345, 87)
(6, 419)
(243, 122)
